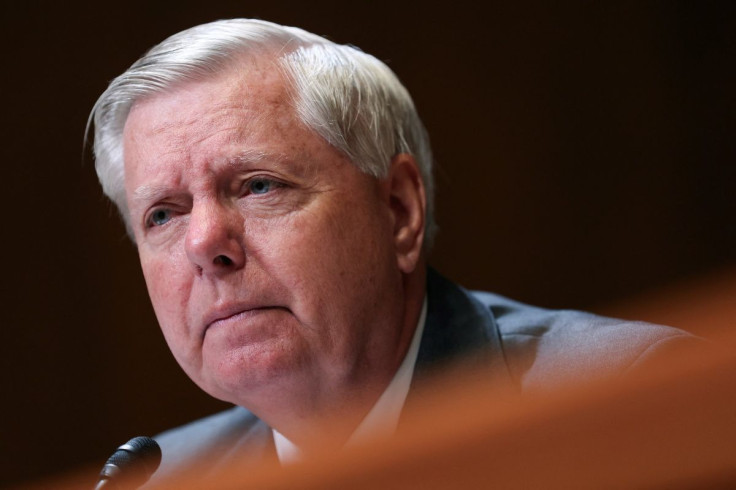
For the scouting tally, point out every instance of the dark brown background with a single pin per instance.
(585, 155)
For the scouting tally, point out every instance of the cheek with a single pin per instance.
(168, 290)
(309, 248)
(157, 274)
(164, 272)
(330, 257)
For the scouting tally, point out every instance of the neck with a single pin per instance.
(328, 422)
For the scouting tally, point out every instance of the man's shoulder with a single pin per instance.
(219, 438)
(544, 348)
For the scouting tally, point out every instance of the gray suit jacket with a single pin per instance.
(532, 349)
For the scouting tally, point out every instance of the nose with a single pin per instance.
(214, 240)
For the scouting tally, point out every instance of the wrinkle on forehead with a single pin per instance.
(253, 75)
(237, 96)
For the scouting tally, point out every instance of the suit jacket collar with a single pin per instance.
(458, 329)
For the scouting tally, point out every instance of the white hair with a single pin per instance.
(351, 99)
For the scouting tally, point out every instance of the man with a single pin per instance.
(279, 190)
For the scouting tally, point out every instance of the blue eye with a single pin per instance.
(259, 186)
(159, 217)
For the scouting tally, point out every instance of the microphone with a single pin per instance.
(131, 465)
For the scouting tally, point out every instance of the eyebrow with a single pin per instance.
(150, 192)
(248, 158)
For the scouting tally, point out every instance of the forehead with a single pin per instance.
(203, 122)
(255, 88)
(202, 129)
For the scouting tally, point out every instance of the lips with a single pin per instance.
(241, 310)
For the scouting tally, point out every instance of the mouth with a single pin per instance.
(224, 315)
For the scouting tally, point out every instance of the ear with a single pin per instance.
(408, 204)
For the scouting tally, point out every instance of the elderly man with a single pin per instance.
(278, 188)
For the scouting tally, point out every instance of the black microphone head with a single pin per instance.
(135, 460)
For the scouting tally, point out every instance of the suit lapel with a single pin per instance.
(458, 328)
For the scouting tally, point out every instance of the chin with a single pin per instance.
(249, 370)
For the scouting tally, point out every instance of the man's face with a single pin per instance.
(268, 256)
